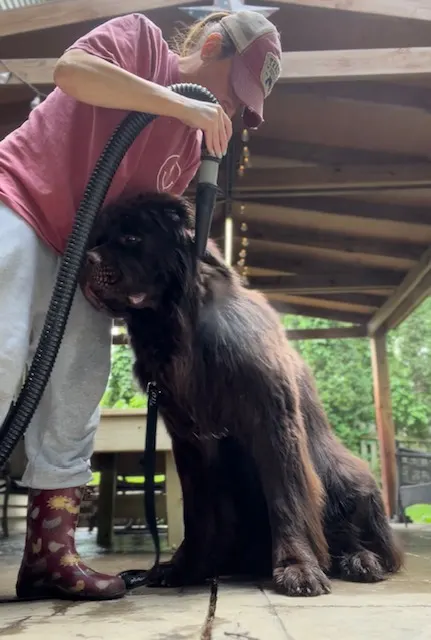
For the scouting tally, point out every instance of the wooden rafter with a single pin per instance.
(314, 312)
(414, 288)
(321, 239)
(322, 303)
(381, 93)
(346, 179)
(347, 282)
(420, 215)
(407, 9)
(306, 264)
(304, 256)
(331, 333)
(316, 153)
(297, 66)
(64, 12)
(365, 299)
(355, 64)
(338, 222)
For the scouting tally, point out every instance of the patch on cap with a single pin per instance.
(270, 73)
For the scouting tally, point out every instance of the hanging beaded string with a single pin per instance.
(244, 164)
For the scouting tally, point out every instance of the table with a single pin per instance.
(123, 431)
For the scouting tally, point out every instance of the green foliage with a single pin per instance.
(123, 391)
(410, 361)
(343, 374)
(344, 378)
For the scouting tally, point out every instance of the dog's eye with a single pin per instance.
(130, 240)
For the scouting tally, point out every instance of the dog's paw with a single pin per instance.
(301, 580)
(167, 575)
(362, 566)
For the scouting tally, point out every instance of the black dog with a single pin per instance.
(266, 485)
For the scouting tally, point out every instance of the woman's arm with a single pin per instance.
(95, 81)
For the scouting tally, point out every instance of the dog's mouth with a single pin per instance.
(105, 289)
(137, 299)
(114, 304)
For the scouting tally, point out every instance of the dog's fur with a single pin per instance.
(267, 487)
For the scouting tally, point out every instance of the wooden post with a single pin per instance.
(384, 420)
(174, 503)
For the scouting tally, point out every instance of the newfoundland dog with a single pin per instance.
(267, 487)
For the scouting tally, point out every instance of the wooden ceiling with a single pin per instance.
(336, 203)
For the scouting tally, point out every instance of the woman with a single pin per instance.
(123, 65)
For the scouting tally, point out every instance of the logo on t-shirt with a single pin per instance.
(168, 174)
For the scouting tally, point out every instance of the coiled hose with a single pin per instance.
(22, 411)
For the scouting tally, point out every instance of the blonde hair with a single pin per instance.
(189, 40)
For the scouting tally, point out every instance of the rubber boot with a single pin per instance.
(51, 566)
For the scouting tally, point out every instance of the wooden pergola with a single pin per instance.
(333, 211)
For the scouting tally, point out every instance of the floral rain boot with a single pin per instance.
(51, 567)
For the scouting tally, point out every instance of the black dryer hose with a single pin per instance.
(22, 411)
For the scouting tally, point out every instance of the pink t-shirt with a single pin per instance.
(46, 163)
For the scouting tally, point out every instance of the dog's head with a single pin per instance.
(137, 250)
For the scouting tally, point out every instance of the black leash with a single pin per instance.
(139, 577)
(150, 468)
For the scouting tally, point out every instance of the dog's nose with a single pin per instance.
(93, 257)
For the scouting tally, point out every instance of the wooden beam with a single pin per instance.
(353, 207)
(366, 227)
(356, 64)
(258, 256)
(35, 71)
(412, 288)
(63, 12)
(327, 180)
(322, 303)
(354, 299)
(333, 333)
(343, 282)
(316, 153)
(407, 9)
(410, 302)
(382, 93)
(366, 299)
(384, 420)
(313, 312)
(321, 239)
(297, 66)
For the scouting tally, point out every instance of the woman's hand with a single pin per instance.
(212, 120)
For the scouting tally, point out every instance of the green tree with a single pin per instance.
(343, 377)
(409, 348)
(123, 390)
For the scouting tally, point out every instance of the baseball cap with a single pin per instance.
(256, 64)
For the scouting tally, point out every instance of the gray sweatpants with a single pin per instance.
(59, 440)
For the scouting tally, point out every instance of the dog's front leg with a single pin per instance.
(294, 498)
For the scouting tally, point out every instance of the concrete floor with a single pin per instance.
(399, 609)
